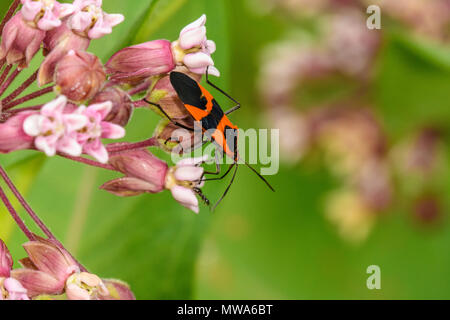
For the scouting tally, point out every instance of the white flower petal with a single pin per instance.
(186, 197)
(55, 106)
(189, 173)
(200, 22)
(193, 161)
(198, 60)
(43, 144)
(32, 125)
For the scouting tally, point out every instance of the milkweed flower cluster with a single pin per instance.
(92, 102)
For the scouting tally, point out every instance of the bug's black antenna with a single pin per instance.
(228, 188)
(260, 176)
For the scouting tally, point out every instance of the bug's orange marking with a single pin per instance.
(221, 134)
(209, 98)
(197, 114)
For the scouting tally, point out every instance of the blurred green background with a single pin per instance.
(257, 244)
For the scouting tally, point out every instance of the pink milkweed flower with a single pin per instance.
(183, 179)
(20, 41)
(12, 134)
(137, 63)
(85, 286)
(89, 19)
(54, 130)
(96, 129)
(45, 14)
(144, 173)
(46, 269)
(194, 50)
(10, 289)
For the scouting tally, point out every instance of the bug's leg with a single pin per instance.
(228, 188)
(224, 176)
(168, 117)
(216, 154)
(238, 105)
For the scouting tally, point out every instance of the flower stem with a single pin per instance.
(30, 212)
(29, 97)
(9, 14)
(5, 73)
(15, 216)
(91, 163)
(113, 148)
(8, 81)
(20, 89)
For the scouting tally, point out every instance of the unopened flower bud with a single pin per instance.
(143, 173)
(122, 105)
(12, 134)
(135, 64)
(79, 76)
(57, 43)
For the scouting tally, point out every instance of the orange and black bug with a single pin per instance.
(202, 106)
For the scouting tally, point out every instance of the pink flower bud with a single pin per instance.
(6, 262)
(20, 41)
(122, 105)
(12, 135)
(79, 76)
(144, 173)
(57, 43)
(135, 64)
(164, 94)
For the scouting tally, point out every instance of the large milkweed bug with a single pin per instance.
(202, 106)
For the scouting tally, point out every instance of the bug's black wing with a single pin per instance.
(188, 90)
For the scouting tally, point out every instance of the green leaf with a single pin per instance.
(23, 174)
